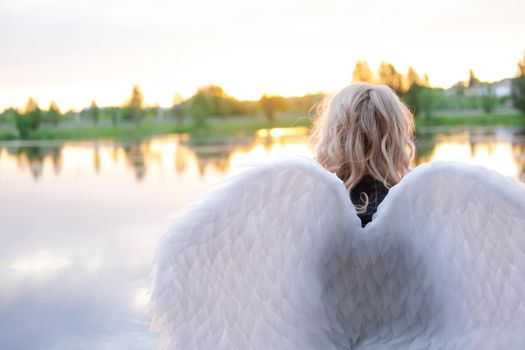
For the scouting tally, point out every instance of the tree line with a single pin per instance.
(208, 101)
(212, 101)
(417, 93)
(415, 90)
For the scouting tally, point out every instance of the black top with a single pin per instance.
(375, 191)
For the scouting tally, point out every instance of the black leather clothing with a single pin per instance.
(376, 192)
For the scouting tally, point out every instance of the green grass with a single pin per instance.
(214, 128)
(119, 132)
(8, 134)
(217, 128)
(515, 119)
(249, 127)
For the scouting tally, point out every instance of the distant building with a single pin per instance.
(501, 88)
(456, 89)
(477, 89)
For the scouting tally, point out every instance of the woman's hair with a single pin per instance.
(364, 129)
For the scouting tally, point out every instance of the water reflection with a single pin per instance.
(500, 149)
(79, 223)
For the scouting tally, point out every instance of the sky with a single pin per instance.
(77, 51)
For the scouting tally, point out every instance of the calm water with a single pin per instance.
(79, 223)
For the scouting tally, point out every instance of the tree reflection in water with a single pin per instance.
(501, 149)
(31, 158)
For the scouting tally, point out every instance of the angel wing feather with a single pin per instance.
(462, 229)
(277, 259)
(244, 269)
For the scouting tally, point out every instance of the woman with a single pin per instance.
(364, 135)
(279, 258)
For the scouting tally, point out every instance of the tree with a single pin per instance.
(362, 73)
(412, 78)
(94, 112)
(34, 113)
(521, 66)
(215, 100)
(303, 105)
(52, 115)
(177, 108)
(412, 98)
(210, 100)
(389, 76)
(115, 113)
(489, 99)
(270, 105)
(22, 124)
(472, 80)
(30, 120)
(414, 86)
(426, 100)
(9, 115)
(198, 110)
(518, 86)
(460, 88)
(134, 107)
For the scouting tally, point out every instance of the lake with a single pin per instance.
(80, 222)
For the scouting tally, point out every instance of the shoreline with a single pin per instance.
(231, 127)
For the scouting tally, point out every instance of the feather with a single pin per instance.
(276, 259)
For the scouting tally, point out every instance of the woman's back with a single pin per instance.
(374, 190)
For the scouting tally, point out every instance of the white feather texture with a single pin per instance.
(277, 259)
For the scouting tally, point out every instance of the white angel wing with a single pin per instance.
(278, 260)
(246, 268)
(452, 237)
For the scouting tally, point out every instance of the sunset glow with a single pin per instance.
(74, 52)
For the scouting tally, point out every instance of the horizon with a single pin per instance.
(75, 53)
(185, 98)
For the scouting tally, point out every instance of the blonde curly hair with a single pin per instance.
(364, 129)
